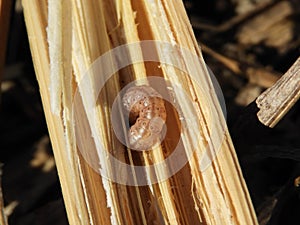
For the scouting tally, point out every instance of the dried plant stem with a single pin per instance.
(196, 194)
(276, 101)
(3, 217)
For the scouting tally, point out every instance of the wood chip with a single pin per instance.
(276, 101)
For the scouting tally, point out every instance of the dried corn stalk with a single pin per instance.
(103, 181)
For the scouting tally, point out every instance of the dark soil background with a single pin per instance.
(263, 36)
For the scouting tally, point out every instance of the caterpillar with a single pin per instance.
(147, 116)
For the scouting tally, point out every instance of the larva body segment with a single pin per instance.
(147, 116)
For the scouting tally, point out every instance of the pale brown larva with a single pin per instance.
(147, 116)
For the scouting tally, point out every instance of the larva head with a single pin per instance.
(139, 135)
(140, 129)
(141, 143)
